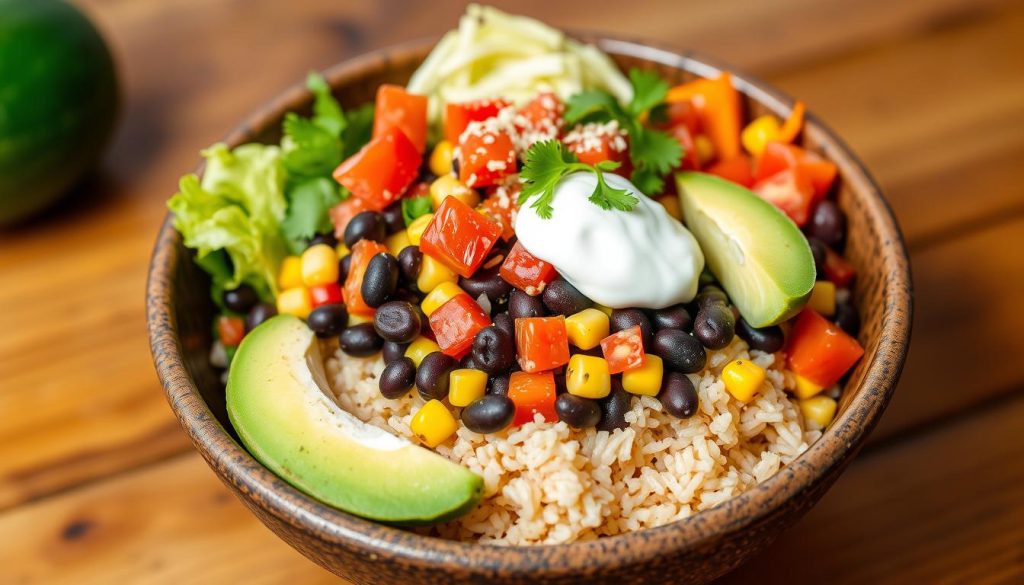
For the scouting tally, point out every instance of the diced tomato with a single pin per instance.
(736, 169)
(779, 156)
(485, 156)
(682, 114)
(594, 143)
(526, 272)
(532, 394)
(718, 108)
(458, 116)
(542, 343)
(343, 213)
(362, 252)
(837, 269)
(691, 161)
(624, 350)
(502, 205)
(459, 237)
(542, 114)
(381, 171)
(456, 323)
(397, 108)
(790, 191)
(326, 294)
(820, 350)
(230, 330)
(421, 189)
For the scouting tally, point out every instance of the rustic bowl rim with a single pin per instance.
(236, 467)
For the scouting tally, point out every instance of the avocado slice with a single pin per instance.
(278, 403)
(755, 251)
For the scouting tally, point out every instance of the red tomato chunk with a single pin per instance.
(343, 213)
(325, 294)
(542, 115)
(837, 269)
(380, 172)
(230, 330)
(458, 116)
(459, 237)
(542, 343)
(362, 252)
(789, 190)
(778, 156)
(525, 272)
(819, 350)
(397, 108)
(456, 323)
(623, 350)
(485, 156)
(594, 143)
(532, 394)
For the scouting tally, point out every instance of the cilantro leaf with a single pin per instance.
(358, 130)
(310, 150)
(649, 90)
(413, 207)
(327, 113)
(593, 106)
(548, 161)
(308, 204)
(653, 154)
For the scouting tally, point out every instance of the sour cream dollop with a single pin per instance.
(639, 258)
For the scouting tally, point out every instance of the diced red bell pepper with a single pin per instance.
(719, 109)
(380, 172)
(779, 156)
(532, 394)
(230, 330)
(737, 169)
(485, 156)
(594, 143)
(820, 350)
(624, 350)
(343, 213)
(502, 205)
(682, 114)
(456, 323)
(326, 294)
(837, 269)
(543, 114)
(397, 108)
(362, 252)
(458, 116)
(790, 191)
(542, 343)
(459, 237)
(526, 272)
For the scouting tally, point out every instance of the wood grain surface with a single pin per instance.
(98, 484)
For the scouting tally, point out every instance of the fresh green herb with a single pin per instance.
(308, 205)
(653, 153)
(359, 129)
(548, 161)
(413, 207)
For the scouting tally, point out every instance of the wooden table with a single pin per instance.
(99, 485)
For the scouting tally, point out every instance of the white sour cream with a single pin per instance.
(640, 258)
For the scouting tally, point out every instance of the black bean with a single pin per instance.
(678, 396)
(366, 225)
(380, 279)
(241, 299)
(680, 351)
(397, 321)
(360, 340)
(489, 414)
(392, 217)
(674, 317)
(818, 253)
(614, 408)
(522, 305)
(768, 339)
(329, 239)
(626, 318)
(715, 325)
(711, 295)
(455, 166)
(497, 385)
(397, 378)
(847, 318)
(258, 314)
(828, 223)
(486, 281)
(561, 387)
(403, 294)
(576, 411)
(562, 298)
(409, 261)
(393, 351)
(467, 362)
(505, 322)
(595, 351)
(432, 375)
(328, 320)
(494, 350)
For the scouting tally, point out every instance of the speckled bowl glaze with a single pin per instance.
(694, 550)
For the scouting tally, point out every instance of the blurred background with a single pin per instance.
(99, 485)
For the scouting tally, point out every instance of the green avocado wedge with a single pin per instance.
(758, 254)
(278, 403)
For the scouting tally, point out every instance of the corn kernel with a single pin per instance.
(671, 205)
(465, 386)
(295, 301)
(587, 328)
(290, 275)
(433, 424)
(342, 250)
(433, 273)
(319, 265)
(441, 294)
(417, 227)
(420, 348)
(823, 298)
(819, 410)
(397, 242)
(805, 388)
(646, 379)
(441, 158)
(742, 379)
(448, 186)
(705, 149)
(604, 309)
(759, 133)
(588, 377)
(354, 319)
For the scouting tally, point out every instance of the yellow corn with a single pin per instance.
(587, 328)
(705, 149)
(290, 275)
(646, 379)
(441, 294)
(604, 309)
(588, 376)
(295, 301)
(819, 410)
(319, 265)
(671, 205)
(742, 379)
(823, 298)
(417, 227)
(433, 423)
(448, 186)
(354, 319)
(465, 386)
(420, 348)
(759, 133)
(441, 158)
(397, 242)
(433, 273)
(342, 250)
(805, 388)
